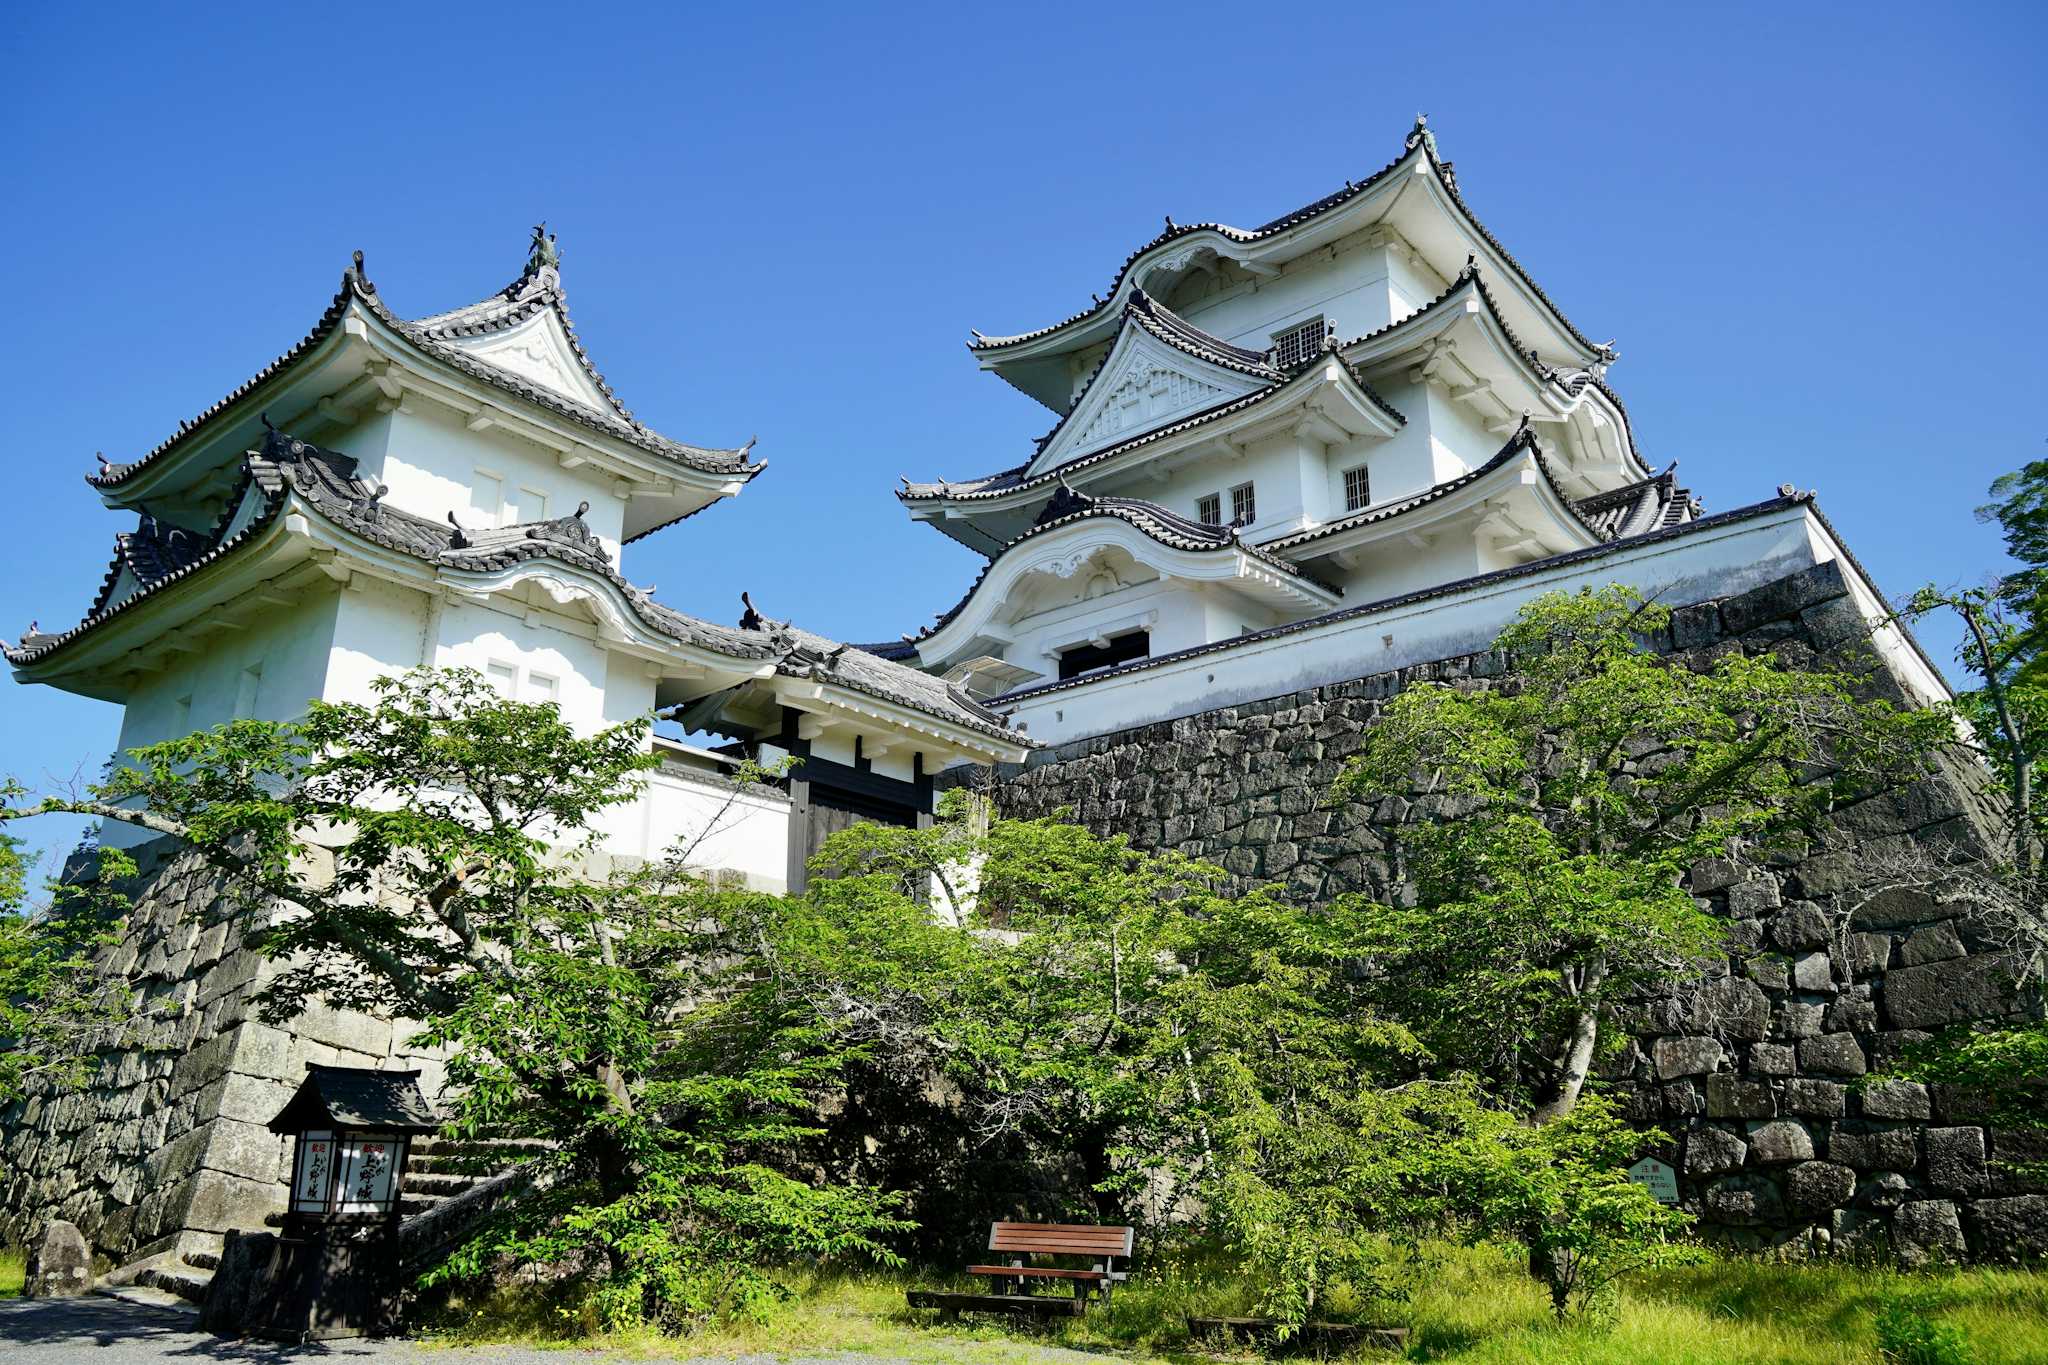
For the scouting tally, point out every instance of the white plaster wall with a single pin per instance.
(724, 828)
(556, 646)
(268, 671)
(1716, 562)
(1351, 291)
(430, 460)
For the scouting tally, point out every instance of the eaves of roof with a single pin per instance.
(1418, 141)
(429, 338)
(998, 484)
(1776, 504)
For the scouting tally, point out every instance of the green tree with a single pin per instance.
(421, 857)
(1552, 819)
(60, 1010)
(2003, 650)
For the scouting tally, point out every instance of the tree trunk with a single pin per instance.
(1575, 1056)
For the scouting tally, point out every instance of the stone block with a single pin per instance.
(1743, 1200)
(216, 1202)
(1686, 1056)
(1896, 1100)
(1712, 874)
(242, 1149)
(1772, 1059)
(2013, 1229)
(1782, 599)
(1779, 1141)
(1713, 1151)
(1732, 1008)
(1832, 1054)
(1754, 897)
(1799, 928)
(1851, 1014)
(1729, 1098)
(1892, 1149)
(1882, 1190)
(1813, 1187)
(1897, 907)
(1962, 990)
(1955, 1160)
(62, 1265)
(1772, 973)
(1928, 1231)
(1797, 1019)
(1869, 952)
(1931, 943)
(1813, 972)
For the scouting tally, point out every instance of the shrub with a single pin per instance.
(1907, 1336)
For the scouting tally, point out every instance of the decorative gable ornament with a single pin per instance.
(1144, 383)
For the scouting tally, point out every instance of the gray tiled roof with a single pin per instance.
(1019, 477)
(356, 1097)
(325, 481)
(1418, 142)
(1646, 505)
(532, 292)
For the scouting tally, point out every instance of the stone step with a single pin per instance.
(186, 1282)
(202, 1260)
(428, 1182)
(511, 1148)
(147, 1297)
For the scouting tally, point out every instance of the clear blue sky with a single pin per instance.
(1816, 232)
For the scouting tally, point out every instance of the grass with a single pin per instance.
(13, 1269)
(1462, 1305)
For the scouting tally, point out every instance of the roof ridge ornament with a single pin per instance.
(460, 540)
(355, 276)
(543, 252)
(1421, 134)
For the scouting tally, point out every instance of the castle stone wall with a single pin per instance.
(167, 1149)
(1758, 1071)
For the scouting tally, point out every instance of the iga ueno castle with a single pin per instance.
(1356, 437)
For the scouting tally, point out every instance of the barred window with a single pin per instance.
(1300, 343)
(1244, 507)
(1357, 489)
(1209, 509)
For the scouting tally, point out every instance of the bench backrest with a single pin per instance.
(1060, 1239)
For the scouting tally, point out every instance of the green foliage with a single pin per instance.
(2005, 628)
(1907, 1336)
(1551, 819)
(423, 856)
(58, 1011)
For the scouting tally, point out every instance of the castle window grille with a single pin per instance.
(1357, 489)
(1209, 509)
(1300, 343)
(1244, 505)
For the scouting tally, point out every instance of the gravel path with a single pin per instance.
(111, 1332)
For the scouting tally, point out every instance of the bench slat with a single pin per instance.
(1033, 1272)
(1076, 1239)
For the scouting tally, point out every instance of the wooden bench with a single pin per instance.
(1019, 1241)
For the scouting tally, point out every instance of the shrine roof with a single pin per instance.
(355, 1097)
(1420, 144)
(536, 290)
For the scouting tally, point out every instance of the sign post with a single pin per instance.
(1657, 1177)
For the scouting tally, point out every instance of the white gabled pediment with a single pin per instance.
(537, 350)
(1143, 385)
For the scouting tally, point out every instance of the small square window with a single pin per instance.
(503, 677)
(541, 688)
(1209, 509)
(1300, 343)
(1357, 489)
(246, 689)
(1244, 507)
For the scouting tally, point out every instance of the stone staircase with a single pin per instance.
(437, 1169)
